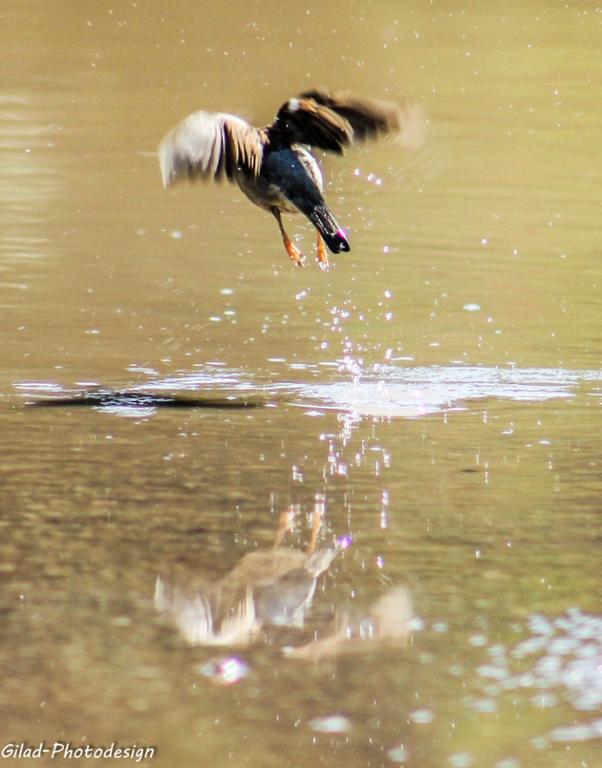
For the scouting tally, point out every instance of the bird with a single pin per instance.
(273, 166)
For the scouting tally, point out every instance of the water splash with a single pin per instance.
(411, 392)
(386, 391)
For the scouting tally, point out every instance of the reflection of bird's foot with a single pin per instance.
(285, 524)
(321, 254)
(316, 524)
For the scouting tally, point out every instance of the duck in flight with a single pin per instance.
(273, 166)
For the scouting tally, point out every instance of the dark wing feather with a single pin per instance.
(305, 121)
(210, 145)
(371, 119)
(368, 119)
(332, 121)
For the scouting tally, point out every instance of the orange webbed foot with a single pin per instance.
(321, 255)
(294, 253)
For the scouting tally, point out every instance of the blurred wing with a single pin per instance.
(305, 121)
(332, 121)
(368, 119)
(210, 145)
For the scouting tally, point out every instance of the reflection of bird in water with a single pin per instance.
(273, 166)
(388, 620)
(272, 587)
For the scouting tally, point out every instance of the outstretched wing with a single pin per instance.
(332, 121)
(304, 121)
(368, 118)
(210, 145)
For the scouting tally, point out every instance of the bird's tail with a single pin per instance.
(326, 224)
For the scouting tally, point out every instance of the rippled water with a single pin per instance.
(386, 392)
(262, 516)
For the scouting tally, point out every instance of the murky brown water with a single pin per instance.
(435, 397)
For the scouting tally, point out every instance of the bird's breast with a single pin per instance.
(264, 193)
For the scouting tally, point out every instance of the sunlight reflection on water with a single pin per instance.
(420, 391)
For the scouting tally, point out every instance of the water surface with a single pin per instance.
(434, 400)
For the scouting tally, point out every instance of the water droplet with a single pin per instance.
(460, 760)
(224, 671)
(331, 724)
(422, 716)
(398, 754)
(477, 640)
(487, 706)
